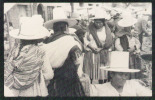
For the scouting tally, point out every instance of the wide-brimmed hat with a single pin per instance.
(119, 62)
(127, 20)
(31, 28)
(59, 16)
(100, 13)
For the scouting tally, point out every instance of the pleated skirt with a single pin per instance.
(92, 66)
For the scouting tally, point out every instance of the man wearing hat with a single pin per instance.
(99, 40)
(119, 84)
(65, 55)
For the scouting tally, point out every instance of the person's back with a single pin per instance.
(27, 66)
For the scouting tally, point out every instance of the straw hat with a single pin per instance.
(119, 62)
(100, 13)
(127, 20)
(31, 28)
(59, 15)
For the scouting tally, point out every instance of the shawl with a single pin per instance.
(59, 48)
(20, 73)
(124, 42)
(109, 39)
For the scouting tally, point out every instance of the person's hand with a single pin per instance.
(97, 50)
(137, 52)
(87, 49)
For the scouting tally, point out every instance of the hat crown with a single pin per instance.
(31, 28)
(59, 13)
(101, 13)
(23, 20)
(119, 62)
(31, 25)
(119, 59)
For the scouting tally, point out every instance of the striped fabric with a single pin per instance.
(20, 73)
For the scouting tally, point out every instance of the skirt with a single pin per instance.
(92, 64)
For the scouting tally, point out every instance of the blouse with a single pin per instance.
(101, 35)
(131, 88)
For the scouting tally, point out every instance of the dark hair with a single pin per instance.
(102, 19)
(80, 33)
(59, 26)
(27, 42)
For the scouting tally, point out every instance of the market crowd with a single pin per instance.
(100, 56)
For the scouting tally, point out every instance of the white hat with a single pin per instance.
(59, 15)
(100, 13)
(128, 20)
(119, 62)
(31, 28)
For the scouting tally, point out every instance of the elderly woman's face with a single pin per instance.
(98, 23)
(119, 78)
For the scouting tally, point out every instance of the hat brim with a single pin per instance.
(41, 34)
(127, 22)
(120, 69)
(49, 24)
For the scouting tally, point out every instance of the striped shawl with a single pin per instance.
(20, 73)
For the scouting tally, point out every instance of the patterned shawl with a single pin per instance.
(21, 72)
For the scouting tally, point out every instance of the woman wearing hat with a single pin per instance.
(119, 84)
(99, 40)
(65, 55)
(27, 69)
(127, 41)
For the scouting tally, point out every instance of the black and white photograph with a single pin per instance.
(78, 49)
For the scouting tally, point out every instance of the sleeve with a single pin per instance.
(87, 39)
(47, 69)
(118, 45)
(141, 90)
